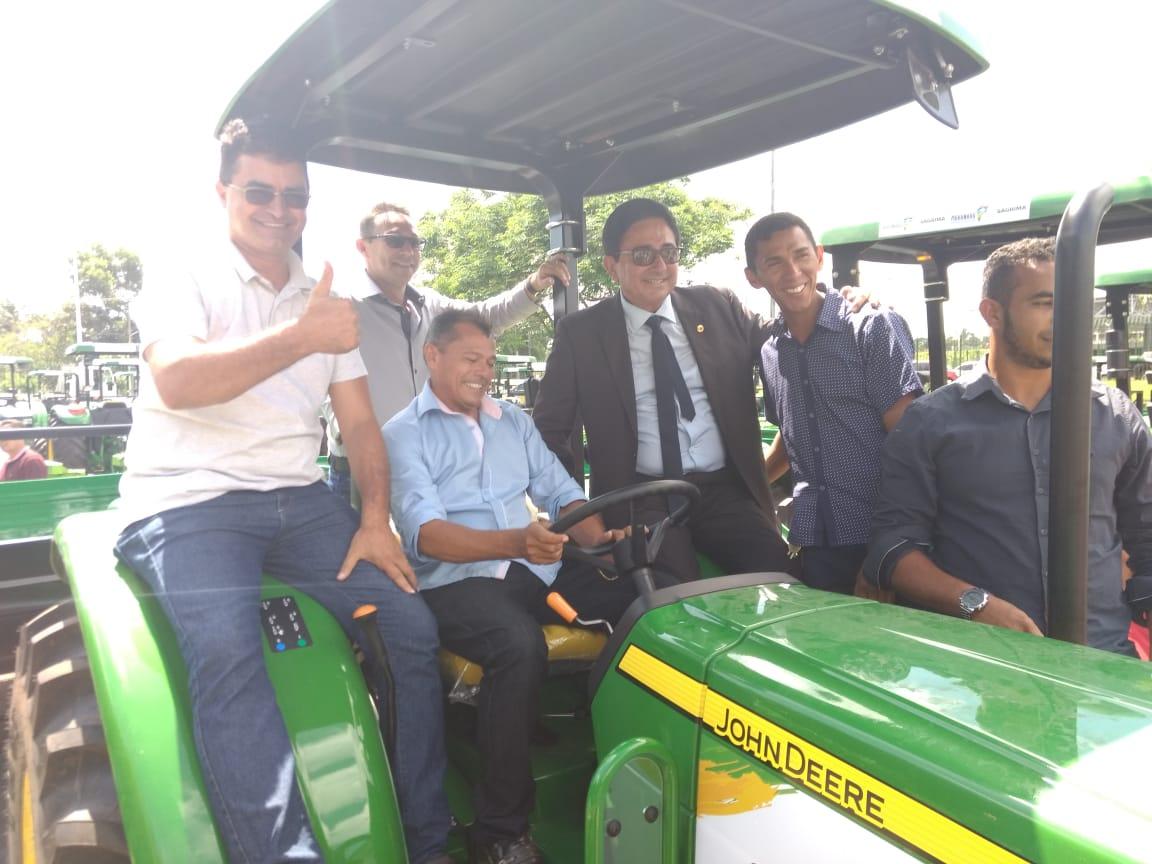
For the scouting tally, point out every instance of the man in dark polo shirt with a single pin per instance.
(835, 381)
(961, 523)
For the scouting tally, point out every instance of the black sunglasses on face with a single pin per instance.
(642, 256)
(398, 241)
(262, 196)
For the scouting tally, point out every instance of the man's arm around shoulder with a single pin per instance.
(890, 377)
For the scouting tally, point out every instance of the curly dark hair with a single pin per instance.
(262, 137)
(1000, 268)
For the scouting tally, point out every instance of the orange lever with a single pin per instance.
(561, 607)
(363, 611)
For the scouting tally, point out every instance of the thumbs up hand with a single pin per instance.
(329, 324)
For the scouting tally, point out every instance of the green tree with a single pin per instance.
(9, 318)
(483, 243)
(109, 279)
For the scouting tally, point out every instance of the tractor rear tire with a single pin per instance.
(72, 452)
(62, 806)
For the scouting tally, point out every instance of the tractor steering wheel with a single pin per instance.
(646, 540)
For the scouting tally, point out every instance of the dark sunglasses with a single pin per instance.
(642, 256)
(398, 241)
(262, 196)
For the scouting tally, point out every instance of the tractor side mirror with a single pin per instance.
(931, 78)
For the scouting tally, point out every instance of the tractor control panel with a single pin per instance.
(284, 625)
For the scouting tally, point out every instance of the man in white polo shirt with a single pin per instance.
(221, 485)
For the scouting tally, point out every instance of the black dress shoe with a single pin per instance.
(520, 850)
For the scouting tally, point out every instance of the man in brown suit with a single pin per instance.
(663, 380)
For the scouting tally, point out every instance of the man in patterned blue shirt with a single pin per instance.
(835, 382)
(461, 467)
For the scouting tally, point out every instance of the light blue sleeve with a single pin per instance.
(415, 498)
(550, 486)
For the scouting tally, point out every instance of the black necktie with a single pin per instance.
(670, 388)
(406, 329)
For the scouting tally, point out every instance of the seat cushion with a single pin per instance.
(568, 648)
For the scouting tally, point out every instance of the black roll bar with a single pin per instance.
(1071, 413)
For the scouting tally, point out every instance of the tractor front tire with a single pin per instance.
(62, 799)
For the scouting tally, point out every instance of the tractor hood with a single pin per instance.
(933, 735)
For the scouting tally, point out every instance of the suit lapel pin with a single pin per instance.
(699, 328)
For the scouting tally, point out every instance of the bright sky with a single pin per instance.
(110, 109)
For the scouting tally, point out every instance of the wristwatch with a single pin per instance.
(972, 601)
(533, 295)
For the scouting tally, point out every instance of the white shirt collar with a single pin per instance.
(636, 318)
(298, 280)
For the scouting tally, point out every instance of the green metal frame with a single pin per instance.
(33, 508)
(142, 692)
(636, 775)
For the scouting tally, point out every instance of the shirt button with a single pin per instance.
(815, 449)
(1043, 532)
(1040, 490)
(811, 415)
(823, 489)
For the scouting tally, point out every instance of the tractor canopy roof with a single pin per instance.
(601, 95)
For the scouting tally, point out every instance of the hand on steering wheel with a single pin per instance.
(646, 539)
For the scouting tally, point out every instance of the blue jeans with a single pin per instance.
(204, 562)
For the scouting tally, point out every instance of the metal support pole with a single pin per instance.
(1071, 414)
(565, 202)
(566, 235)
(76, 285)
(846, 267)
(935, 293)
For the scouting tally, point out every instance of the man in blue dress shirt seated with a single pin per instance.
(462, 466)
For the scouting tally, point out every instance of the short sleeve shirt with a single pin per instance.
(266, 438)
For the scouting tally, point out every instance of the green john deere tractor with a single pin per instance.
(740, 718)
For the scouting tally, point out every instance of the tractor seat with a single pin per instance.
(570, 649)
